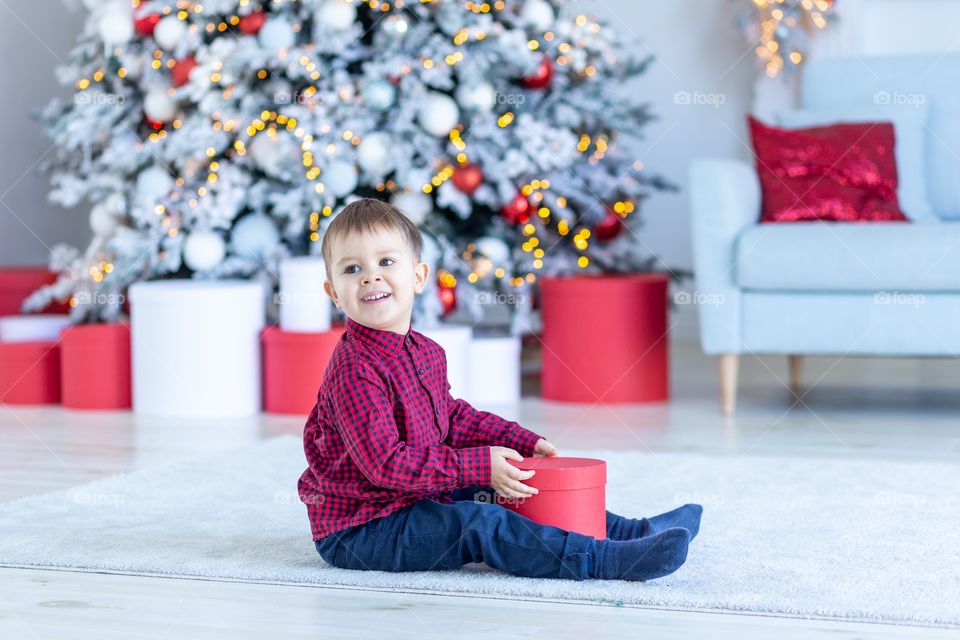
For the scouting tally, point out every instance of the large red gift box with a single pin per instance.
(293, 366)
(30, 372)
(95, 366)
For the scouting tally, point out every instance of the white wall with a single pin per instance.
(34, 37)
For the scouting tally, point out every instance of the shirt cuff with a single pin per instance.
(474, 466)
(523, 440)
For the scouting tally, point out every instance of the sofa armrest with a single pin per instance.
(724, 200)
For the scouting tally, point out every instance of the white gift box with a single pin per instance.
(196, 347)
(495, 375)
(455, 340)
(30, 328)
(304, 306)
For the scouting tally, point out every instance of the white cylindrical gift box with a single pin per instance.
(494, 371)
(455, 340)
(196, 347)
(304, 306)
(30, 328)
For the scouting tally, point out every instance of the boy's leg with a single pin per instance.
(686, 517)
(432, 536)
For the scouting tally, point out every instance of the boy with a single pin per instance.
(402, 476)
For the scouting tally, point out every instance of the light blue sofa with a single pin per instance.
(833, 288)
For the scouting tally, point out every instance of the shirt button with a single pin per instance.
(421, 370)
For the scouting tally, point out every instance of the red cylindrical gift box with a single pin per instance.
(16, 283)
(605, 338)
(30, 372)
(572, 494)
(95, 366)
(293, 366)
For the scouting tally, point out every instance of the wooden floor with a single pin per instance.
(857, 408)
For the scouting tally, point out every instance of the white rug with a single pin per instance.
(870, 541)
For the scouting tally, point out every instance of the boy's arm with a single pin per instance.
(471, 427)
(364, 417)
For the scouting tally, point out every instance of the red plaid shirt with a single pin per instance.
(386, 433)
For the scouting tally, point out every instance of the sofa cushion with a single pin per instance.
(908, 124)
(821, 256)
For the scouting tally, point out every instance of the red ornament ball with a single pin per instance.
(517, 210)
(448, 299)
(251, 23)
(467, 178)
(541, 78)
(145, 25)
(608, 228)
(180, 73)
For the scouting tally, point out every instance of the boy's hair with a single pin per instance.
(367, 215)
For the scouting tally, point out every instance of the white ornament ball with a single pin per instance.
(415, 205)
(494, 248)
(203, 250)
(396, 26)
(538, 14)
(159, 105)
(276, 34)
(379, 94)
(153, 184)
(116, 203)
(337, 15)
(340, 178)
(438, 114)
(375, 154)
(477, 97)
(275, 154)
(254, 236)
(116, 24)
(103, 220)
(169, 32)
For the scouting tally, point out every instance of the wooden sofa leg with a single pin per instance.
(728, 382)
(795, 365)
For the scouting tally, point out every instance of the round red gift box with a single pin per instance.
(605, 338)
(95, 366)
(293, 366)
(572, 494)
(30, 372)
(17, 283)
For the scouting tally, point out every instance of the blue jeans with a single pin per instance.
(429, 535)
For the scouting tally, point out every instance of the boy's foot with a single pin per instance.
(645, 558)
(686, 517)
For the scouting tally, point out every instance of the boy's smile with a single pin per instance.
(374, 277)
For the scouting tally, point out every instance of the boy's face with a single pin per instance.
(364, 265)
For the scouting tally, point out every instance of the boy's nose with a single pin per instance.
(375, 277)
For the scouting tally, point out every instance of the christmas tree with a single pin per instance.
(215, 137)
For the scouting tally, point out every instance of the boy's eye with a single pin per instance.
(384, 262)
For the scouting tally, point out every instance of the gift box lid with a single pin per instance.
(560, 473)
(274, 335)
(96, 335)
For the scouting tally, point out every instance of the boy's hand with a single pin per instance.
(544, 448)
(505, 478)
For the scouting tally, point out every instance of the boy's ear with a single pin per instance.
(422, 272)
(330, 291)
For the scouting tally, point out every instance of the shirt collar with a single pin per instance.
(387, 341)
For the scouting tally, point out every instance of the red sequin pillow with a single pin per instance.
(842, 172)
